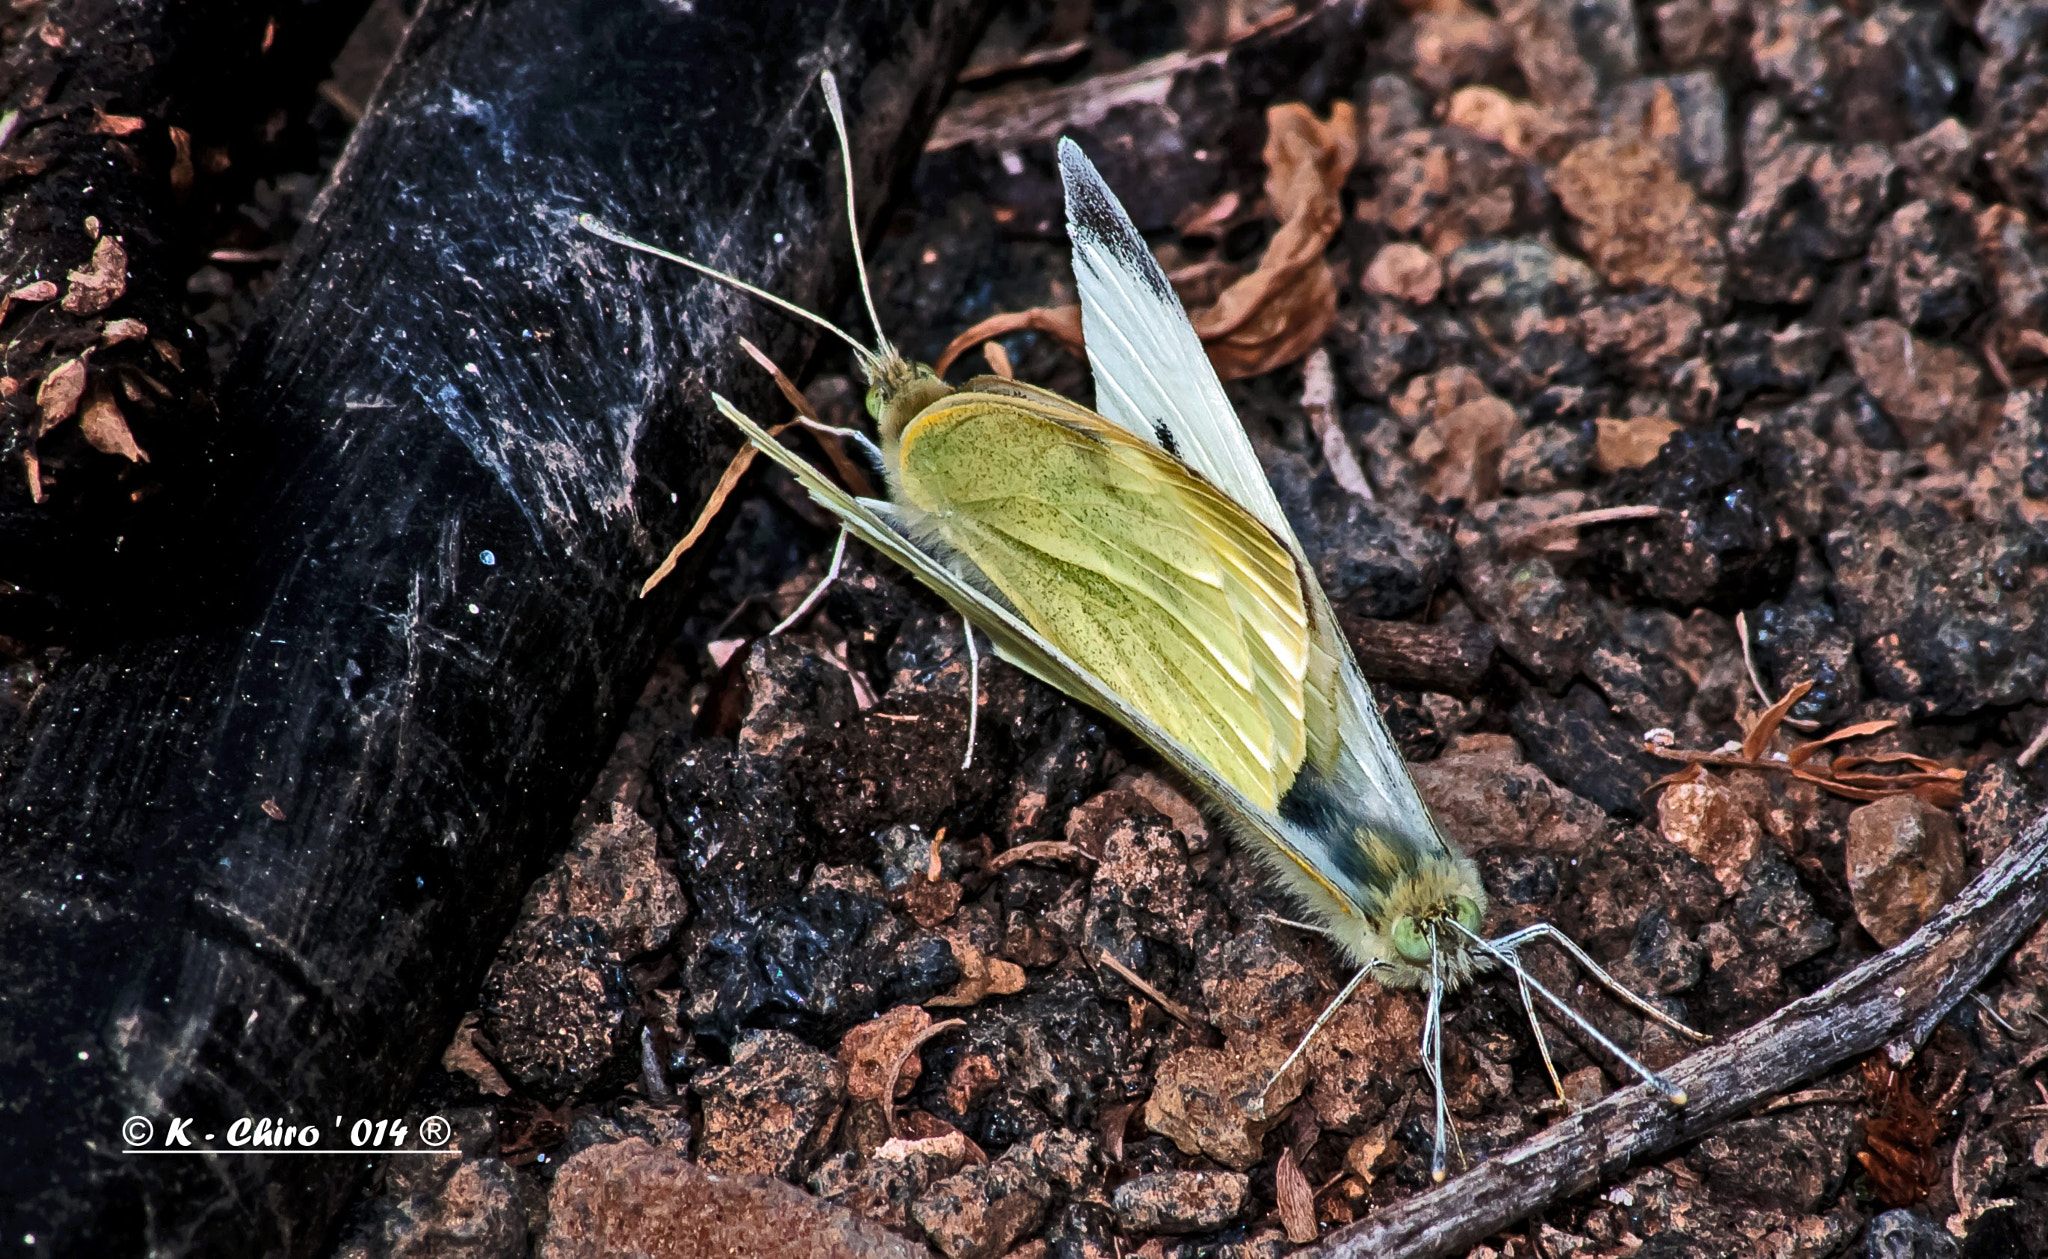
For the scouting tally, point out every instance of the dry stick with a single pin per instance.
(1892, 1001)
(1184, 1016)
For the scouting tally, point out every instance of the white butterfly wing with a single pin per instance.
(1151, 373)
(1153, 377)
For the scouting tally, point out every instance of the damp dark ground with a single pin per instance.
(1773, 267)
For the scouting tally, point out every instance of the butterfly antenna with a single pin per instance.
(1507, 958)
(1258, 1106)
(590, 223)
(838, 111)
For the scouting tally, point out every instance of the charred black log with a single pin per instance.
(256, 871)
(122, 127)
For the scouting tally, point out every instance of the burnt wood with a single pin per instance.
(258, 868)
(132, 122)
(1451, 659)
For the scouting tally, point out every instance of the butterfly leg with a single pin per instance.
(1506, 956)
(973, 689)
(1542, 1045)
(1545, 931)
(1258, 1106)
(818, 591)
(1433, 1060)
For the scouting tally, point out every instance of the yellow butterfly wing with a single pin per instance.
(1131, 564)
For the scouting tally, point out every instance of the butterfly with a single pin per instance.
(1135, 557)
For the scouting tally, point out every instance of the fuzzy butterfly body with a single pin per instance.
(1136, 558)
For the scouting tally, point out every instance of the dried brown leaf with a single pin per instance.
(1767, 722)
(1062, 323)
(1282, 309)
(117, 124)
(1294, 1198)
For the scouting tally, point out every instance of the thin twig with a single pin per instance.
(1522, 535)
(1892, 1001)
(1181, 1014)
(2034, 749)
(1039, 850)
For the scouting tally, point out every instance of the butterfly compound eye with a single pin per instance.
(1467, 911)
(875, 404)
(1409, 941)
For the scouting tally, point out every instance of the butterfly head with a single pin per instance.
(898, 390)
(1430, 918)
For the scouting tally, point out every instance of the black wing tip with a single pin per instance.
(1093, 210)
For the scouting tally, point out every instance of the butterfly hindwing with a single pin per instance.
(1140, 571)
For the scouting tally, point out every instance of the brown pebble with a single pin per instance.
(1202, 1098)
(1905, 861)
(629, 1198)
(983, 1211)
(1181, 1202)
(1707, 821)
(1406, 273)
(770, 1112)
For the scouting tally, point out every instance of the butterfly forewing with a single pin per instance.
(1151, 373)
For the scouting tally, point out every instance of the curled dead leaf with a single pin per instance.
(117, 124)
(181, 162)
(1284, 307)
(101, 281)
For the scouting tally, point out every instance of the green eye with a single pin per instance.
(1467, 911)
(1409, 941)
(875, 404)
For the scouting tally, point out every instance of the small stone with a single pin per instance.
(1405, 273)
(1796, 1158)
(1928, 390)
(771, 1111)
(883, 1187)
(1937, 160)
(1484, 795)
(1572, 52)
(1685, 116)
(1544, 458)
(1642, 225)
(1910, 1235)
(1181, 1202)
(1066, 1158)
(1202, 1098)
(1580, 744)
(1251, 981)
(983, 1211)
(629, 1198)
(1632, 443)
(1706, 820)
(1905, 861)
